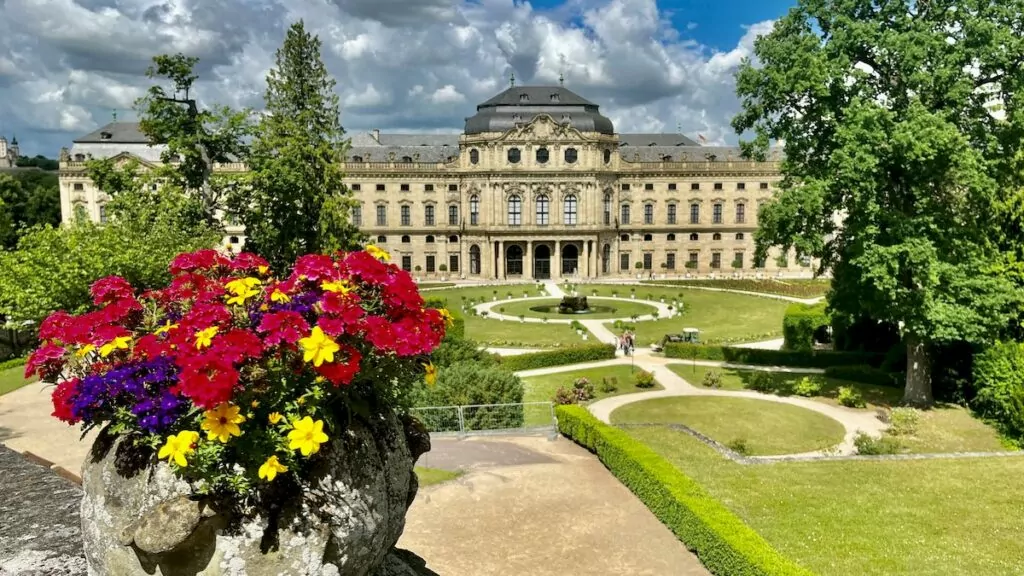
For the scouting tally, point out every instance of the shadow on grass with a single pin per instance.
(784, 384)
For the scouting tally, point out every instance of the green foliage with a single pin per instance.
(807, 387)
(609, 385)
(800, 323)
(560, 357)
(297, 203)
(12, 363)
(797, 288)
(27, 199)
(458, 350)
(739, 446)
(865, 375)
(850, 398)
(884, 109)
(762, 382)
(38, 161)
(904, 421)
(870, 446)
(724, 544)
(999, 378)
(812, 359)
(643, 379)
(712, 379)
(582, 390)
(472, 384)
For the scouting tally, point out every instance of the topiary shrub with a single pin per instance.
(999, 378)
(800, 323)
(850, 398)
(473, 384)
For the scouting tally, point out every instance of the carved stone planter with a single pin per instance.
(138, 519)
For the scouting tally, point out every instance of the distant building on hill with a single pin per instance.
(9, 152)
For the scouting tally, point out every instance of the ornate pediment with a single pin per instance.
(544, 129)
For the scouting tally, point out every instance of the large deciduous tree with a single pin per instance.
(296, 202)
(902, 128)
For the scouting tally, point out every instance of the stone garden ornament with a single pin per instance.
(251, 425)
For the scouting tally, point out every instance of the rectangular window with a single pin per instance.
(357, 215)
(356, 187)
(404, 187)
(759, 263)
(515, 211)
(453, 263)
(453, 215)
(693, 259)
(382, 215)
(625, 187)
(695, 213)
(428, 214)
(406, 216)
(672, 186)
(671, 213)
(407, 262)
(718, 185)
(741, 185)
(543, 210)
(695, 186)
(624, 261)
(474, 210)
(763, 185)
(453, 187)
(716, 214)
(103, 214)
(741, 213)
(648, 213)
(648, 260)
(716, 260)
(380, 187)
(428, 187)
(78, 186)
(430, 262)
(670, 261)
(624, 216)
(569, 210)
(737, 260)
(649, 186)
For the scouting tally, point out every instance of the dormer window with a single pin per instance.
(106, 135)
(524, 98)
(407, 159)
(566, 118)
(357, 158)
(554, 97)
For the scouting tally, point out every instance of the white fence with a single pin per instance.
(526, 417)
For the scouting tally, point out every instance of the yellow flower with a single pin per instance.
(280, 297)
(222, 422)
(119, 343)
(178, 446)
(167, 327)
(274, 417)
(431, 373)
(263, 269)
(340, 286)
(270, 469)
(205, 337)
(255, 403)
(378, 253)
(307, 436)
(318, 347)
(243, 289)
(85, 350)
(241, 298)
(447, 316)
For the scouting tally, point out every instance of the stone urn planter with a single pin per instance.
(139, 519)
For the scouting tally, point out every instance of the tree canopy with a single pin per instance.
(902, 172)
(27, 198)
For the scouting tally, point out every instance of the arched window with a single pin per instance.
(739, 235)
(515, 210)
(79, 157)
(474, 259)
(453, 239)
(569, 211)
(514, 156)
(607, 209)
(382, 239)
(624, 214)
(514, 260)
(571, 155)
(648, 237)
(407, 159)
(474, 210)
(428, 215)
(694, 237)
(81, 213)
(542, 156)
(624, 237)
(406, 240)
(453, 214)
(607, 156)
(671, 238)
(543, 210)
(606, 257)
(430, 239)
(357, 158)
(474, 156)
(716, 236)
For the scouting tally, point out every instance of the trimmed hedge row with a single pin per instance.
(722, 541)
(800, 323)
(797, 288)
(12, 363)
(796, 358)
(560, 357)
(866, 375)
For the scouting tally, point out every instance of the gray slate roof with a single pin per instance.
(656, 140)
(416, 153)
(120, 133)
(537, 95)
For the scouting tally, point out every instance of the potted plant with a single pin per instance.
(638, 266)
(224, 404)
(522, 318)
(632, 293)
(442, 268)
(494, 295)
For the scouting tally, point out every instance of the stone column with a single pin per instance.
(500, 269)
(556, 261)
(528, 261)
(463, 257)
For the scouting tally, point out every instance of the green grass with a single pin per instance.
(428, 285)
(875, 396)
(543, 388)
(842, 518)
(763, 427)
(620, 309)
(718, 315)
(951, 428)
(431, 476)
(12, 379)
(797, 288)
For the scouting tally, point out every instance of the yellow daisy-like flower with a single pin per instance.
(271, 468)
(430, 376)
(378, 253)
(85, 350)
(307, 436)
(205, 337)
(448, 318)
(275, 417)
(318, 347)
(263, 269)
(167, 327)
(222, 422)
(255, 403)
(340, 286)
(178, 447)
(119, 343)
(280, 297)
(242, 289)
(241, 298)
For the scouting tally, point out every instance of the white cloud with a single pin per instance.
(409, 66)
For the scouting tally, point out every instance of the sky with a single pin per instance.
(400, 65)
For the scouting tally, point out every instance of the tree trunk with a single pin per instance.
(918, 391)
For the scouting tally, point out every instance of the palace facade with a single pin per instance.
(539, 185)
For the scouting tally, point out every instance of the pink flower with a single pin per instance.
(110, 289)
(281, 327)
(46, 361)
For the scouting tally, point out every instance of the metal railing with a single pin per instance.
(480, 419)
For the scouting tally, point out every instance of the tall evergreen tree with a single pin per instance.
(296, 202)
(899, 174)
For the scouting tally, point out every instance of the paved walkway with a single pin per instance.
(537, 507)
(26, 426)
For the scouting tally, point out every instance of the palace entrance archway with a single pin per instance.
(542, 262)
(570, 259)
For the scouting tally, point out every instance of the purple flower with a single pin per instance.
(143, 388)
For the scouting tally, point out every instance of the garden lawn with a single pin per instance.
(797, 288)
(542, 388)
(430, 476)
(718, 315)
(951, 428)
(841, 518)
(874, 395)
(13, 378)
(748, 426)
(621, 309)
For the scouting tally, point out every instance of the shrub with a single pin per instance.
(584, 389)
(800, 323)
(739, 446)
(564, 396)
(712, 379)
(999, 378)
(865, 374)
(643, 379)
(807, 387)
(725, 545)
(796, 358)
(609, 385)
(904, 421)
(459, 350)
(762, 382)
(470, 384)
(869, 446)
(12, 363)
(560, 357)
(850, 398)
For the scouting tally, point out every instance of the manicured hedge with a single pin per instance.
(797, 288)
(560, 357)
(13, 362)
(800, 323)
(722, 541)
(866, 375)
(796, 358)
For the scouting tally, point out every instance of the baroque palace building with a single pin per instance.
(539, 185)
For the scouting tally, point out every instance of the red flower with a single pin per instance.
(47, 361)
(119, 311)
(109, 289)
(190, 286)
(57, 326)
(63, 397)
(207, 380)
(107, 332)
(283, 327)
(400, 291)
(341, 313)
(364, 266)
(248, 261)
(200, 261)
(203, 315)
(151, 346)
(238, 346)
(342, 372)
(314, 267)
